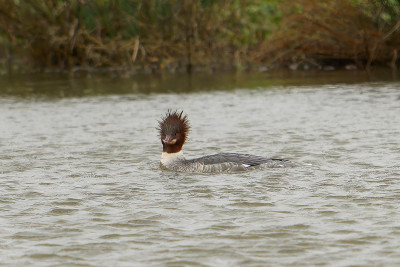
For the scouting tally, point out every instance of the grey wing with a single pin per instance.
(245, 159)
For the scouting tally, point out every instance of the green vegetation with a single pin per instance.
(361, 32)
(154, 35)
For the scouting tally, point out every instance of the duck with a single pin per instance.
(174, 128)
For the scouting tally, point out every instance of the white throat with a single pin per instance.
(171, 158)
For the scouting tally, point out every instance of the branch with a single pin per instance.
(395, 28)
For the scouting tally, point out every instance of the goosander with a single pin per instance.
(173, 129)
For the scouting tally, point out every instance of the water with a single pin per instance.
(81, 184)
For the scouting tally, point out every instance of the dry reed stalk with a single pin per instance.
(337, 30)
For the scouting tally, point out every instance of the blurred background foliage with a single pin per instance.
(180, 35)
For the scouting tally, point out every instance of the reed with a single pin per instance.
(362, 32)
(155, 35)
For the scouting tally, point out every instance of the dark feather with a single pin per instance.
(246, 159)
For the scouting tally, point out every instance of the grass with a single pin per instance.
(182, 35)
(362, 32)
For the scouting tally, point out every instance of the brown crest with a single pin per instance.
(174, 123)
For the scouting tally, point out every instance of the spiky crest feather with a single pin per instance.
(172, 123)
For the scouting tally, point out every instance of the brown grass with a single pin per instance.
(339, 30)
(181, 34)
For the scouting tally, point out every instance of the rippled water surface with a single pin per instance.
(81, 184)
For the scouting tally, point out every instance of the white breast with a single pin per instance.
(168, 159)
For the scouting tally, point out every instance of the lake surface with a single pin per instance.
(81, 185)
